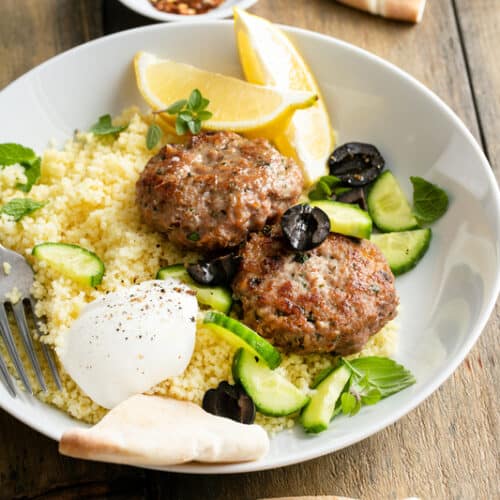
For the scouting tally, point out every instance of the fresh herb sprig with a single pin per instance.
(372, 379)
(430, 202)
(189, 113)
(324, 188)
(104, 126)
(17, 208)
(11, 154)
(153, 135)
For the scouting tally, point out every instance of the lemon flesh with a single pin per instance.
(269, 58)
(236, 105)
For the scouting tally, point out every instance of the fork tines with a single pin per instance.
(19, 310)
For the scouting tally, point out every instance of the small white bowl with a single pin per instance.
(145, 8)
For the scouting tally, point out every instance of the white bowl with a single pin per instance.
(445, 301)
(145, 8)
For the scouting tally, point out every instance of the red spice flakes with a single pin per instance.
(186, 7)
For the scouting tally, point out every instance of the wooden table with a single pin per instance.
(448, 447)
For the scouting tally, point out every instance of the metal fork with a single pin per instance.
(20, 276)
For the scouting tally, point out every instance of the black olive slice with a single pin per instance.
(230, 401)
(219, 271)
(356, 163)
(305, 227)
(355, 196)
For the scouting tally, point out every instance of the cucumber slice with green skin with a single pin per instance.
(388, 205)
(317, 414)
(403, 249)
(240, 335)
(216, 297)
(74, 262)
(271, 393)
(346, 219)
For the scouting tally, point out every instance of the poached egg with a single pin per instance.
(128, 341)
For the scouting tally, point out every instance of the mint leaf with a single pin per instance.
(194, 126)
(32, 173)
(181, 126)
(341, 190)
(174, 108)
(430, 202)
(190, 113)
(383, 374)
(204, 115)
(203, 104)
(324, 188)
(316, 194)
(186, 115)
(17, 208)
(104, 126)
(330, 180)
(195, 100)
(371, 397)
(153, 135)
(349, 404)
(11, 153)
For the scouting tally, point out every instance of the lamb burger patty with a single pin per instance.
(329, 299)
(210, 193)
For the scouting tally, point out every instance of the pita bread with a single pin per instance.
(403, 10)
(157, 431)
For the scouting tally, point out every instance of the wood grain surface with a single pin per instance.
(445, 449)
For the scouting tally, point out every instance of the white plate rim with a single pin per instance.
(419, 396)
(153, 13)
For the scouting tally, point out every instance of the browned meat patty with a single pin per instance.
(330, 299)
(210, 193)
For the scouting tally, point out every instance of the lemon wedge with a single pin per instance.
(236, 105)
(268, 57)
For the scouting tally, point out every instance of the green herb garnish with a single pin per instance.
(189, 113)
(301, 258)
(193, 236)
(349, 404)
(430, 202)
(11, 154)
(324, 188)
(32, 173)
(381, 373)
(372, 379)
(104, 126)
(17, 208)
(153, 136)
(341, 190)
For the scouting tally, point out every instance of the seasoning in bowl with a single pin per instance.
(186, 7)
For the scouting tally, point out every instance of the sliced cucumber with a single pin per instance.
(74, 262)
(240, 335)
(403, 249)
(272, 394)
(388, 205)
(317, 414)
(217, 297)
(345, 218)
